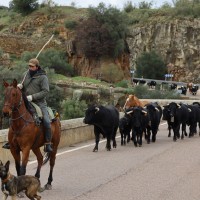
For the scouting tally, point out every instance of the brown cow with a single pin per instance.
(133, 101)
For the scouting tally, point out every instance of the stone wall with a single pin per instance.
(75, 131)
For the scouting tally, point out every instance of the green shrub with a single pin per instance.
(71, 24)
(142, 92)
(122, 84)
(74, 109)
(89, 98)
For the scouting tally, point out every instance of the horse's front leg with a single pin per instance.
(16, 155)
(25, 156)
(39, 157)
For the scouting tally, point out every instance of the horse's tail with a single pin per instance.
(46, 158)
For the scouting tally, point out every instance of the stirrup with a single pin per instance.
(47, 147)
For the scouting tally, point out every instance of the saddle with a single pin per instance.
(37, 113)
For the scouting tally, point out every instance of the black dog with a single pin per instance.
(12, 185)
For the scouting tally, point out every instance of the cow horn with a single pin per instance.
(97, 109)
(143, 111)
(178, 105)
(129, 112)
(157, 109)
(189, 110)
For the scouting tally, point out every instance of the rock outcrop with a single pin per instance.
(178, 42)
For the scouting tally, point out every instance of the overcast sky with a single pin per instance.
(86, 3)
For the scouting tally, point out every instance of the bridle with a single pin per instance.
(15, 108)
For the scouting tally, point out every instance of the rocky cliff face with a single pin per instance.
(178, 42)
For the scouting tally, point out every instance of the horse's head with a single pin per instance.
(12, 98)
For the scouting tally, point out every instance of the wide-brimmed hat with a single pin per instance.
(33, 62)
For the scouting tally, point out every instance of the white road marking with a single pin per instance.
(81, 147)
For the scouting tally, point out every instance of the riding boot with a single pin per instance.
(47, 146)
(6, 146)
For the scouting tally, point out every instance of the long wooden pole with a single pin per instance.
(38, 55)
(44, 46)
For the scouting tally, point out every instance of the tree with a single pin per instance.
(128, 7)
(145, 5)
(150, 65)
(24, 7)
(103, 33)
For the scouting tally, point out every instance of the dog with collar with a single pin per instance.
(11, 185)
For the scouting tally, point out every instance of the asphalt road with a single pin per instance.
(164, 170)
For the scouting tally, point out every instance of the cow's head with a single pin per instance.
(90, 114)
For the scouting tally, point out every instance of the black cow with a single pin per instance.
(194, 118)
(197, 104)
(155, 114)
(173, 86)
(125, 128)
(183, 90)
(106, 121)
(152, 84)
(194, 89)
(166, 116)
(139, 122)
(135, 81)
(142, 82)
(178, 114)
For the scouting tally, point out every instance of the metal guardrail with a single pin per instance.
(163, 81)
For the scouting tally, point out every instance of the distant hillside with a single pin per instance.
(168, 31)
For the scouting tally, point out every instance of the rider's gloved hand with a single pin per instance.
(30, 97)
(20, 86)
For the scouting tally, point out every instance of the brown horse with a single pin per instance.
(24, 135)
(133, 101)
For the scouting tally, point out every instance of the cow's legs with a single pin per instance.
(113, 138)
(108, 146)
(122, 138)
(97, 133)
(134, 138)
(140, 139)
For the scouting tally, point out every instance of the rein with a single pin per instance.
(17, 109)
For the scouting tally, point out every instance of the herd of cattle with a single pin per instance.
(193, 88)
(139, 121)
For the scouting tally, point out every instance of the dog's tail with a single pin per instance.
(46, 158)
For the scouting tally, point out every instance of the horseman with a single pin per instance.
(35, 86)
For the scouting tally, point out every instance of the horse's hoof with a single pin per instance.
(41, 189)
(95, 149)
(48, 187)
(21, 195)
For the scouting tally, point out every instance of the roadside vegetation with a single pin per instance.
(102, 32)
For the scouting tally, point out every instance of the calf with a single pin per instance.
(106, 121)
(125, 128)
